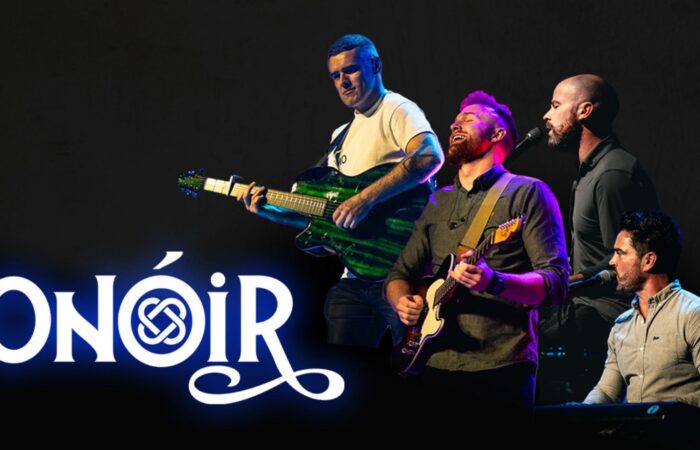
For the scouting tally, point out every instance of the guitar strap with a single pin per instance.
(476, 228)
(335, 146)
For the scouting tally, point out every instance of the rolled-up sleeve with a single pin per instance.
(544, 241)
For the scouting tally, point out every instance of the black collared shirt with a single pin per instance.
(610, 182)
(482, 331)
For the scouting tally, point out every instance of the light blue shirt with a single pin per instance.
(657, 359)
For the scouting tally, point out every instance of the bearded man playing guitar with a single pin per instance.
(485, 351)
(386, 128)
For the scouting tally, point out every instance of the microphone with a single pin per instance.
(602, 278)
(531, 138)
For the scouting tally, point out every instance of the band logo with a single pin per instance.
(146, 321)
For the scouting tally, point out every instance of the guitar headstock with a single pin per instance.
(506, 230)
(191, 182)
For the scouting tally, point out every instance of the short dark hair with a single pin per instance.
(654, 231)
(501, 110)
(350, 41)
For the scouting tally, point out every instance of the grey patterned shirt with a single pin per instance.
(657, 359)
(484, 332)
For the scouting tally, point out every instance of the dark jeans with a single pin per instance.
(357, 314)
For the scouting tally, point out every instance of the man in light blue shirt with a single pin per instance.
(654, 347)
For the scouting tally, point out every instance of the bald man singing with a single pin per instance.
(610, 182)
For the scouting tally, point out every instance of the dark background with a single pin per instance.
(103, 104)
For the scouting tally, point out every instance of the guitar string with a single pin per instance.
(309, 204)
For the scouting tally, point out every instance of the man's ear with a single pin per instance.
(648, 261)
(584, 110)
(498, 134)
(376, 65)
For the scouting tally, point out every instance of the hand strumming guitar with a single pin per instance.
(351, 212)
(408, 308)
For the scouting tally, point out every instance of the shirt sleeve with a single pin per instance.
(407, 121)
(544, 241)
(611, 387)
(411, 263)
(692, 336)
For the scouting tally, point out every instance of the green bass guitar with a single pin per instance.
(369, 250)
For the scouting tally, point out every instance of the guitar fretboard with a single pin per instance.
(303, 204)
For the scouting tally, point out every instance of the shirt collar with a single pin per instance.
(599, 151)
(661, 296)
(484, 181)
(372, 109)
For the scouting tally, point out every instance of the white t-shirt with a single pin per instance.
(379, 135)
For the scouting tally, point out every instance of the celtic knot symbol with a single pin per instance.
(176, 321)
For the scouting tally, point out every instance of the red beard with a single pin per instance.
(465, 151)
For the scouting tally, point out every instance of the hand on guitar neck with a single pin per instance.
(255, 200)
(348, 214)
(253, 197)
(473, 276)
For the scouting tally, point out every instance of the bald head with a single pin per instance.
(594, 89)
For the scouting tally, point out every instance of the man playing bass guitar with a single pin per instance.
(386, 128)
(486, 353)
